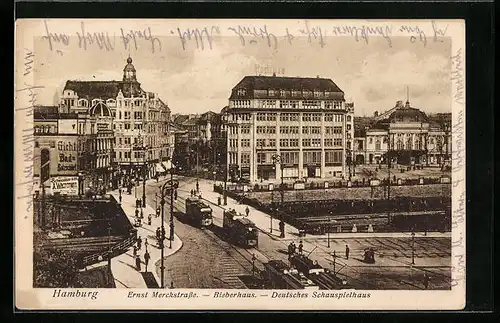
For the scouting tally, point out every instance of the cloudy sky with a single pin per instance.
(372, 75)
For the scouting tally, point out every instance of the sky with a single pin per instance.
(374, 76)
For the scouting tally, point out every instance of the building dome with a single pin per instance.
(100, 110)
(406, 113)
(129, 71)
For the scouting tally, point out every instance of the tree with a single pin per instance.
(54, 268)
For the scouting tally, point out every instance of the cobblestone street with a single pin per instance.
(206, 260)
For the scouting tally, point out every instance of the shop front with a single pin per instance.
(266, 172)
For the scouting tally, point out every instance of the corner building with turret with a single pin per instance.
(301, 120)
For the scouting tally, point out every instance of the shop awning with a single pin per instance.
(167, 165)
(159, 168)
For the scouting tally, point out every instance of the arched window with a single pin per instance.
(409, 144)
(377, 145)
(399, 145)
(83, 103)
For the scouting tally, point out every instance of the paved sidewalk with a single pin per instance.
(263, 222)
(123, 266)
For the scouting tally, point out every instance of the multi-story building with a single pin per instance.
(140, 120)
(408, 135)
(77, 146)
(301, 120)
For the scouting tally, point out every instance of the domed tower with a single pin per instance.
(129, 71)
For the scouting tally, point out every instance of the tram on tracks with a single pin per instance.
(198, 212)
(239, 229)
(277, 274)
(323, 278)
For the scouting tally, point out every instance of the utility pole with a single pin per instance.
(162, 238)
(197, 161)
(413, 248)
(389, 167)
(171, 205)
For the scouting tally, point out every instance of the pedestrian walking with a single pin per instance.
(290, 250)
(146, 260)
(346, 252)
(120, 198)
(134, 250)
(158, 232)
(139, 243)
(426, 281)
(282, 229)
(197, 187)
(301, 247)
(138, 263)
(136, 213)
(149, 219)
(191, 192)
(294, 248)
(247, 211)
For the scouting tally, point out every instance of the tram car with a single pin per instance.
(239, 229)
(279, 276)
(323, 278)
(198, 212)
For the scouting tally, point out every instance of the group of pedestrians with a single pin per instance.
(293, 249)
(137, 246)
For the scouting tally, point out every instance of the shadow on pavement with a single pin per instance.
(150, 280)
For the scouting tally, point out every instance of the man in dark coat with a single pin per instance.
(146, 260)
(138, 263)
(139, 243)
(347, 252)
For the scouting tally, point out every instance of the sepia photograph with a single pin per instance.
(254, 161)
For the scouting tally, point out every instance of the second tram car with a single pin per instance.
(279, 276)
(198, 212)
(239, 229)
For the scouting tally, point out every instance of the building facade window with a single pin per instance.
(245, 142)
(333, 157)
(271, 129)
(271, 117)
(284, 143)
(312, 157)
(245, 158)
(245, 129)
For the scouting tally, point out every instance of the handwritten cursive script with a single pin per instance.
(27, 136)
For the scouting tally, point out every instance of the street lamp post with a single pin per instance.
(413, 248)
(162, 239)
(171, 205)
(277, 160)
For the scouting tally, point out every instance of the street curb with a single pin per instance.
(158, 280)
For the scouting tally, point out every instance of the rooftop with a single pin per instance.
(251, 83)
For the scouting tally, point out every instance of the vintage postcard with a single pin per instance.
(239, 164)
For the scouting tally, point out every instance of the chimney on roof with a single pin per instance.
(274, 73)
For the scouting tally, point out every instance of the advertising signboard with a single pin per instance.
(67, 156)
(65, 185)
